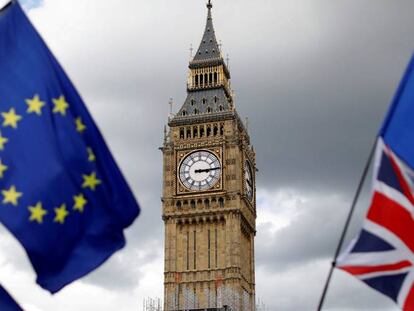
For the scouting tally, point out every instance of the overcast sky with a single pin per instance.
(315, 79)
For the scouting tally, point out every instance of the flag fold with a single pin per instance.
(61, 193)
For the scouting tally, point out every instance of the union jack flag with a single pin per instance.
(382, 256)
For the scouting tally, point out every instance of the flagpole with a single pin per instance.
(346, 226)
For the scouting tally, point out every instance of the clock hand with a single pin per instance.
(207, 170)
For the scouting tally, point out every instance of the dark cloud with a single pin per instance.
(314, 78)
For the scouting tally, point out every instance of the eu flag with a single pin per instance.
(61, 193)
(7, 303)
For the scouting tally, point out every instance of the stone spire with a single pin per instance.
(209, 48)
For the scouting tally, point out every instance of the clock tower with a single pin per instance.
(208, 201)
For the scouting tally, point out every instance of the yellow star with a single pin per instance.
(80, 127)
(60, 105)
(80, 202)
(91, 155)
(61, 214)
(90, 181)
(3, 141)
(11, 196)
(35, 105)
(11, 118)
(37, 213)
(3, 168)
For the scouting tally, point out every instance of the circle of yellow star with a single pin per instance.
(3, 168)
(91, 155)
(37, 213)
(61, 214)
(90, 181)
(35, 105)
(80, 127)
(11, 118)
(60, 105)
(11, 196)
(80, 202)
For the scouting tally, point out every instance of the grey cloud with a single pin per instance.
(315, 80)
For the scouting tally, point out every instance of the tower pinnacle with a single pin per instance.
(208, 85)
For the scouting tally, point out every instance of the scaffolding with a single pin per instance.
(260, 306)
(152, 304)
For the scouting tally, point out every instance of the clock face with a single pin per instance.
(248, 180)
(200, 170)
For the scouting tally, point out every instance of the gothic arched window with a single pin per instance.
(208, 130)
(215, 130)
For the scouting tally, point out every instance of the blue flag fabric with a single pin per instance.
(61, 193)
(7, 303)
(398, 128)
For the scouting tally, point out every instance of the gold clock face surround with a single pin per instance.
(200, 170)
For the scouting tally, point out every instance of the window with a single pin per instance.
(216, 99)
(181, 133)
(221, 108)
(193, 204)
(215, 78)
(188, 250)
(208, 109)
(196, 111)
(221, 202)
(195, 132)
(202, 131)
(184, 112)
(210, 78)
(209, 249)
(178, 204)
(208, 130)
(204, 101)
(221, 129)
(207, 203)
(188, 132)
(192, 102)
(195, 250)
(215, 247)
(196, 80)
(215, 130)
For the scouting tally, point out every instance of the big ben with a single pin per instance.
(209, 193)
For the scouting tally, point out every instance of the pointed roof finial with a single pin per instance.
(209, 4)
